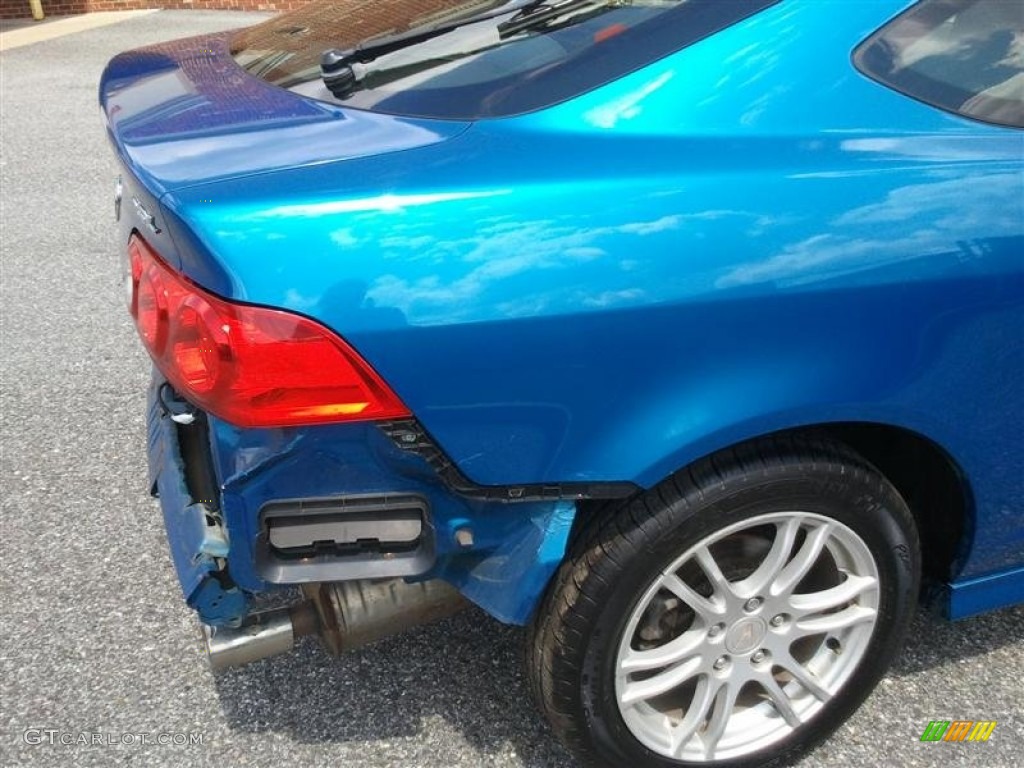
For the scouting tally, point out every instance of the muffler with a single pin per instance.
(345, 614)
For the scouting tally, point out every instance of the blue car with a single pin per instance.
(687, 333)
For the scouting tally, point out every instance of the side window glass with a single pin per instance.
(963, 56)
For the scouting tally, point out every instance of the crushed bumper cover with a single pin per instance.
(215, 534)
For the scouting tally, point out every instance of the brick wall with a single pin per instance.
(15, 9)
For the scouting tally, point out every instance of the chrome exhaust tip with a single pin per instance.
(260, 635)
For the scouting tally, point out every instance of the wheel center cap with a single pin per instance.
(745, 635)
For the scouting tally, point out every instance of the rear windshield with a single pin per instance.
(464, 59)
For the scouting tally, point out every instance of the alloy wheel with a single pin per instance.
(746, 636)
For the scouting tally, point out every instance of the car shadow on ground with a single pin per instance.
(466, 671)
(934, 642)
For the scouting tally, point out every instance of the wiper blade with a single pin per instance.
(341, 79)
(336, 64)
(538, 15)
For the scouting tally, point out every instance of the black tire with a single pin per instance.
(571, 646)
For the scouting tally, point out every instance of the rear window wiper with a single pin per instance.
(337, 71)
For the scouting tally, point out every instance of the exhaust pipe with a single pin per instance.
(345, 614)
(260, 635)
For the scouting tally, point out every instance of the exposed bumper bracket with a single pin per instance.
(410, 436)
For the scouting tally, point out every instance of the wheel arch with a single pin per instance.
(931, 482)
(925, 474)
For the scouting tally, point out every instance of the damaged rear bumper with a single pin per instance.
(222, 490)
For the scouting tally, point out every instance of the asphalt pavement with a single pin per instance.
(94, 636)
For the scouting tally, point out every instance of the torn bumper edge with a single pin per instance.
(198, 540)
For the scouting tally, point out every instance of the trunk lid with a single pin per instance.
(184, 113)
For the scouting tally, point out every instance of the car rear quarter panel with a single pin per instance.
(744, 237)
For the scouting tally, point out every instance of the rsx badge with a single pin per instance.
(148, 218)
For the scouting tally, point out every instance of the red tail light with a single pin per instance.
(251, 366)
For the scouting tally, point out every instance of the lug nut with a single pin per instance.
(752, 604)
(721, 662)
(758, 657)
(715, 630)
(778, 621)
